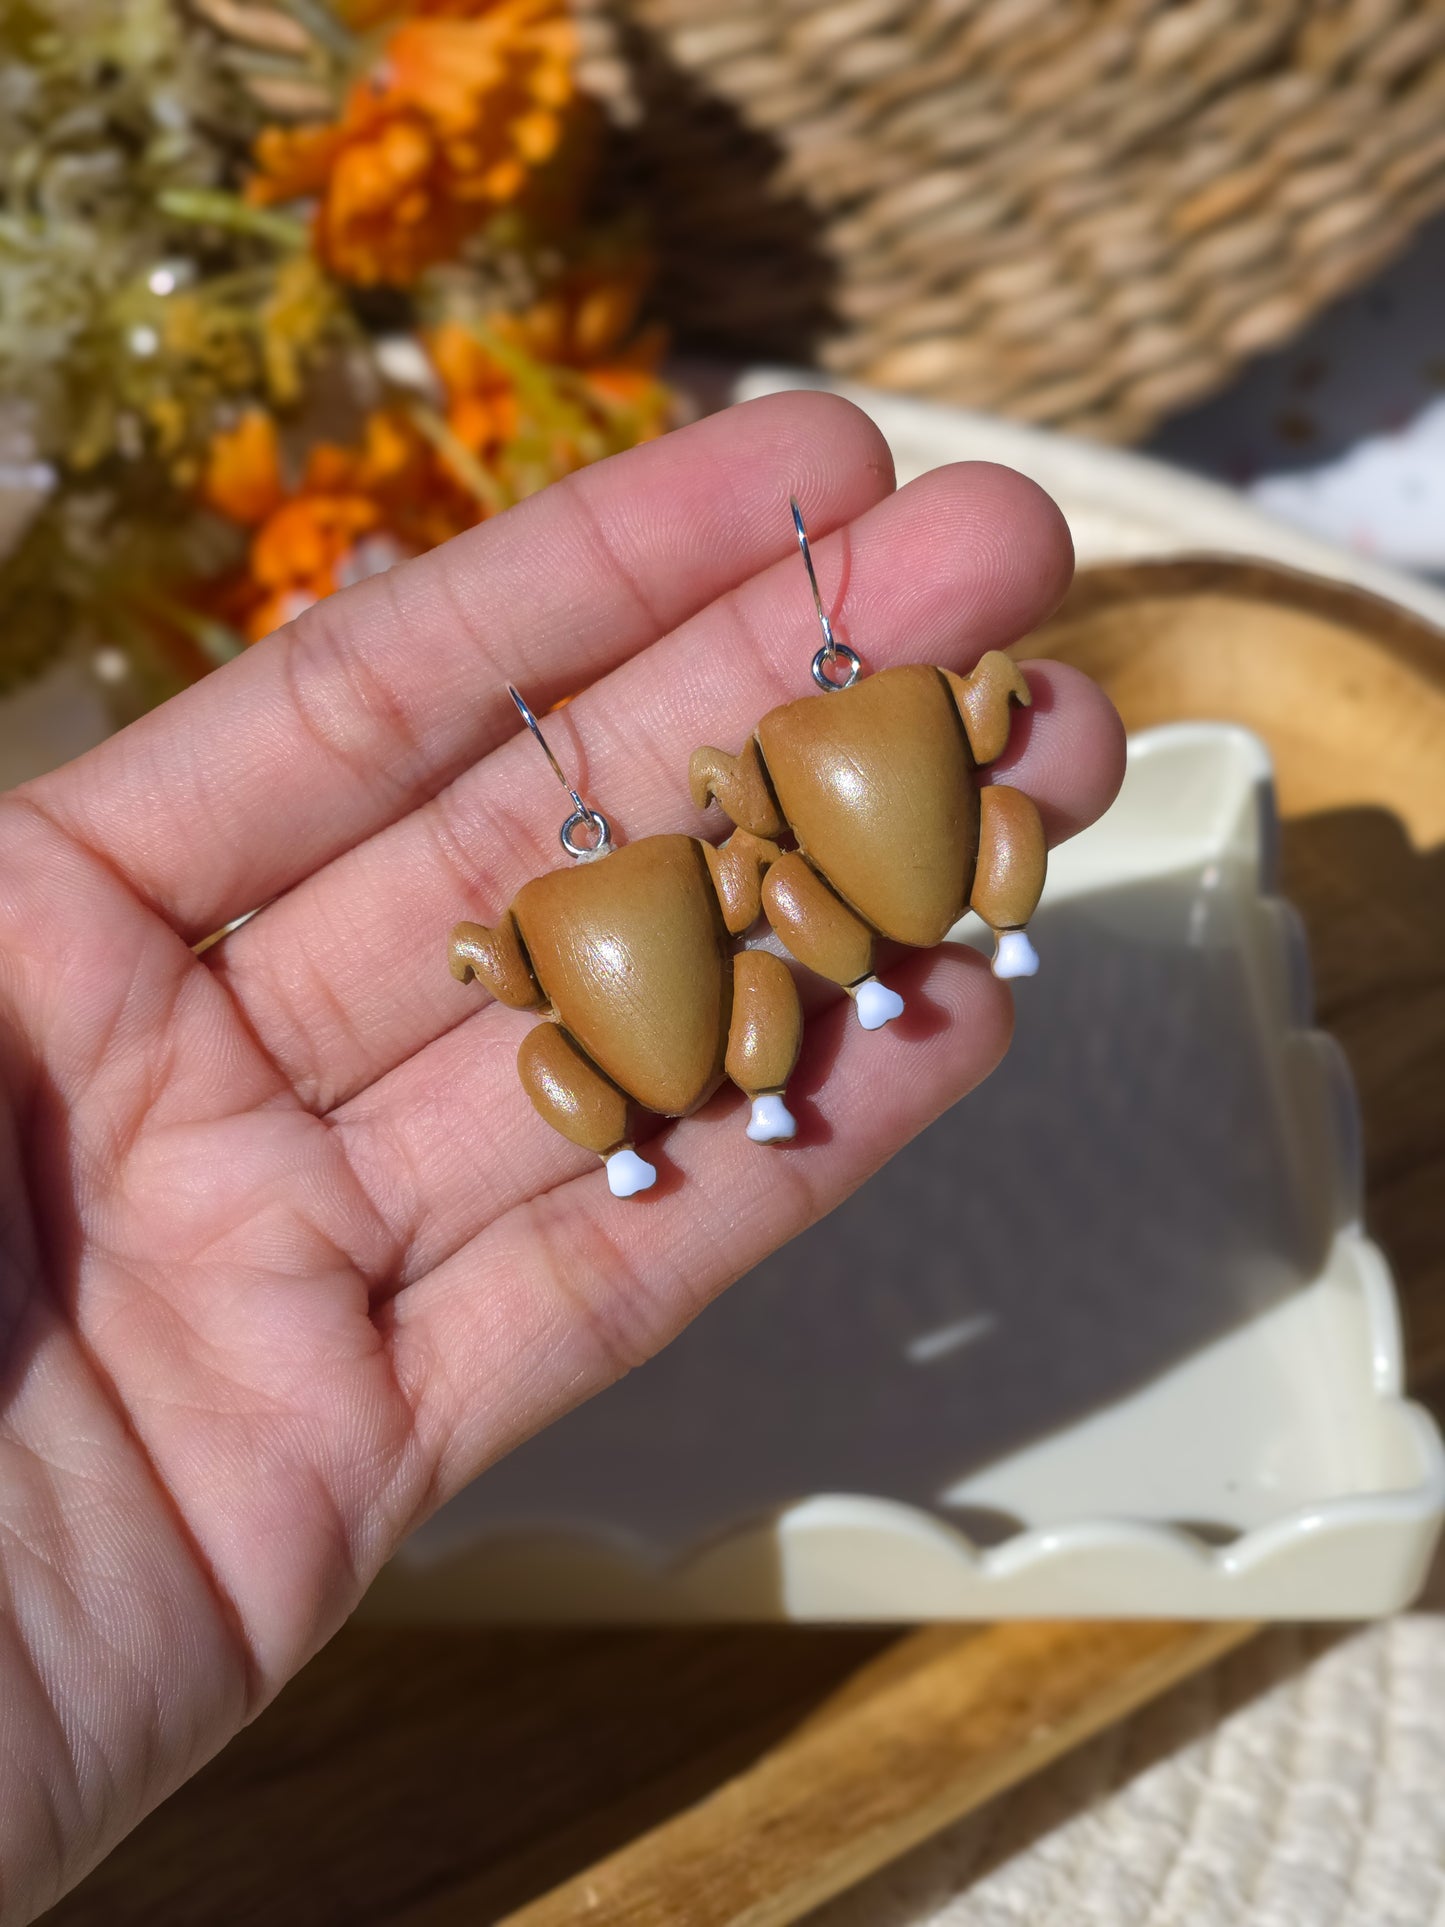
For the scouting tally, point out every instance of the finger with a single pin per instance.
(344, 979)
(1066, 750)
(377, 697)
(570, 1290)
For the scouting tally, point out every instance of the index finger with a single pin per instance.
(375, 699)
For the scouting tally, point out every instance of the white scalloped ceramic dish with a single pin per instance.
(1108, 1338)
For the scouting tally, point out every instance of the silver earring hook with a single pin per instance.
(825, 663)
(582, 816)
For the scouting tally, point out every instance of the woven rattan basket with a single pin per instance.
(1079, 212)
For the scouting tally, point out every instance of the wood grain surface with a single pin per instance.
(926, 1733)
(742, 1776)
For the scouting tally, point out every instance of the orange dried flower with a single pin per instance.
(242, 477)
(481, 407)
(356, 511)
(526, 399)
(308, 549)
(588, 323)
(467, 104)
(586, 318)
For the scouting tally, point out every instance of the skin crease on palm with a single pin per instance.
(288, 1257)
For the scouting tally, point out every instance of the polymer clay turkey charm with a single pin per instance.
(876, 783)
(630, 955)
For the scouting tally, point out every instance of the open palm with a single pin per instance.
(287, 1255)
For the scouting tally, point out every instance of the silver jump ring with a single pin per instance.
(826, 660)
(594, 820)
(841, 653)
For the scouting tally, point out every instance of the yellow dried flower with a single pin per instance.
(295, 317)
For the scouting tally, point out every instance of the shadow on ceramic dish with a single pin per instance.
(1119, 1193)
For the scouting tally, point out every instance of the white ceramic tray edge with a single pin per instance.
(850, 1557)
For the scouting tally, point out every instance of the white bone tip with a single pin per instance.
(1015, 956)
(627, 1174)
(771, 1122)
(877, 1004)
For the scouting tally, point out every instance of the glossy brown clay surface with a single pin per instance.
(877, 784)
(738, 868)
(496, 956)
(740, 784)
(570, 1092)
(767, 1023)
(631, 957)
(630, 954)
(818, 928)
(1011, 858)
(983, 698)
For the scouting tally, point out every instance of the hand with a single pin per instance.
(288, 1256)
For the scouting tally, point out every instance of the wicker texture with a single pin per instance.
(1079, 212)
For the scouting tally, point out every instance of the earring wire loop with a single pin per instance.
(825, 663)
(582, 815)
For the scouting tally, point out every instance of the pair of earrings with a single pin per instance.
(632, 956)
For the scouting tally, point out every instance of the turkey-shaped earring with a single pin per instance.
(630, 955)
(876, 782)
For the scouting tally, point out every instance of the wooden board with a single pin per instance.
(743, 1776)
